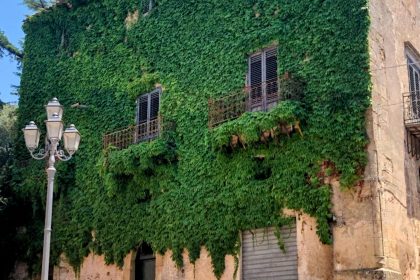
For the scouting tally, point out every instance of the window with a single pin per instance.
(414, 84)
(148, 124)
(262, 80)
(418, 180)
(147, 6)
(145, 263)
(262, 257)
(411, 101)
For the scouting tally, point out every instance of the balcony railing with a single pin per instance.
(411, 102)
(133, 134)
(260, 97)
(412, 109)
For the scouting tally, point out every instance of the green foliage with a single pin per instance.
(134, 165)
(112, 201)
(38, 5)
(21, 225)
(6, 46)
(8, 117)
(251, 124)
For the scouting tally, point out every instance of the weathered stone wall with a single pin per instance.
(376, 231)
(393, 22)
(202, 270)
(354, 231)
(314, 262)
(93, 267)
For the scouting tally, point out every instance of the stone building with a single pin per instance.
(375, 228)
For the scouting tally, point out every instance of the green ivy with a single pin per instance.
(192, 193)
(249, 127)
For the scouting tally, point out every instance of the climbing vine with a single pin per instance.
(189, 191)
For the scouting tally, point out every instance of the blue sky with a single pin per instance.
(12, 14)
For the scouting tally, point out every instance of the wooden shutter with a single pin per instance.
(270, 78)
(271, 65)
(262, 80)
(154, 105)
(414, 79)
(143, 105)
(154, 125)
(255, 82)
(262, 259)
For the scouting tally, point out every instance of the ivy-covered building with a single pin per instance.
(243, 139)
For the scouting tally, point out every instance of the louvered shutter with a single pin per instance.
(255, 82)
(262, 259)
(142, 117)
(411, 75)
(414, 77)
(271, 78)
(154, 105)
(154, 114)
(142, 106)
(416, 93)
(262, 80)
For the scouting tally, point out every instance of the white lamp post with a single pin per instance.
(71, 144)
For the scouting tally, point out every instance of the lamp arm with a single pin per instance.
(62, 156)
(41, 153)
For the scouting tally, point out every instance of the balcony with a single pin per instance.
(261, 97)
(411, 102)
(125, 137)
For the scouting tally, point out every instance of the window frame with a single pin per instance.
(143, 257)
(412, 64)
(147, 9)
(148, 118)
(264, 101)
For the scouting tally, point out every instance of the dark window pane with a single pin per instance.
(145, 6)
(145, 263)
(147, 269)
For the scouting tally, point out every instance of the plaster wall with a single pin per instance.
(314, 262)
(93, 267)
(377, 230)
(355, 231)
(202, 270)
(395, 180)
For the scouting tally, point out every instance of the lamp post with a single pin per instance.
(71, 144)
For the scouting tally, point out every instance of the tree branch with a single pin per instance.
(5, 45)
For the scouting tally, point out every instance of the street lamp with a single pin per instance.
(31, 133)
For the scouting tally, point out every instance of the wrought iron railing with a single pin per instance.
(259, 97)
(412, 108)
(411, 101)
(227, 108)
(133, 134)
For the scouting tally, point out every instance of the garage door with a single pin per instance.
(263, 259)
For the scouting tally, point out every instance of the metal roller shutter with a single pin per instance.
(263, 259)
